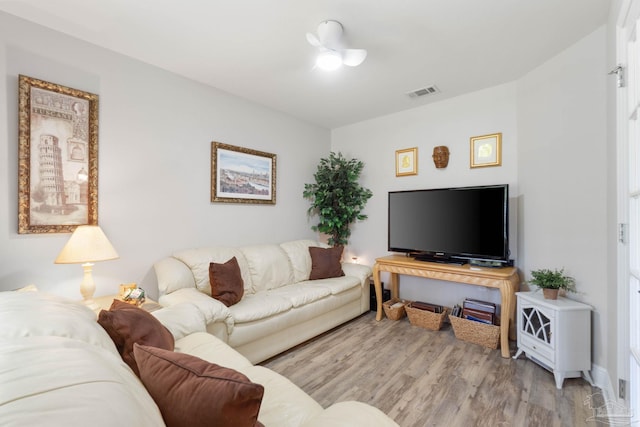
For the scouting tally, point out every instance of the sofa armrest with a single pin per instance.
(351, 414)
(181, 319)
(212, 309)
(362, 272)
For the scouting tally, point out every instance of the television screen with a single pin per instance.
(449, 224)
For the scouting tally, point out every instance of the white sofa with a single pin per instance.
(58, 367)
(280, 307)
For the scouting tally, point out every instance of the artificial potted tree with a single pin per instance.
(337, 197)
(552, 281)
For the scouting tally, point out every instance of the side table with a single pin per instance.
(505, 279)
(556, 334)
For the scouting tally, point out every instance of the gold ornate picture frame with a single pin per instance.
(58, 157)
(486, 150)
(242, 175)
(407, 162)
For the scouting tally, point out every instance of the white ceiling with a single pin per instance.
(257, 49)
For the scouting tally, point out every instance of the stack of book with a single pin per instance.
(434, 308)
(476, 310)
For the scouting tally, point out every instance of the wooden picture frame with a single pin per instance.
(58, 157)
(486, 150)
(242, 175)
(407, 162)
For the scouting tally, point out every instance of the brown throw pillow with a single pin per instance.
(325, 262)
(226, 282)
(192, 392)
(127, 324)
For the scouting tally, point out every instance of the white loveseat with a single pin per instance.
(58, 367)
(280, 308)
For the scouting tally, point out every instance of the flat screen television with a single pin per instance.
(457, 225)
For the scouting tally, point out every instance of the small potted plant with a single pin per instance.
(552, 281)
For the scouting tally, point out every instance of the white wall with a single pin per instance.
(553, 122)
(563, 173)
(154, 162)
(452, 123)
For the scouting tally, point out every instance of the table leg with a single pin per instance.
(395, 290)
(504, 323)
(506, 317)
(378, 287)
(512, 314)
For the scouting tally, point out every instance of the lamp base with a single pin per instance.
(92, 305)
(88, 287)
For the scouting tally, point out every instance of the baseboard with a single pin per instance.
(602, 380)
(614, 410)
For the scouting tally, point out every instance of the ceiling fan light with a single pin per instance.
(329, 60)
(329, 32)
(354, 57)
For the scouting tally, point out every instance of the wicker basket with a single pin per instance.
(476, 332)
(426, 319)
(394, 313)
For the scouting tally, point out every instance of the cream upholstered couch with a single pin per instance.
(58, 367)
(280, 307)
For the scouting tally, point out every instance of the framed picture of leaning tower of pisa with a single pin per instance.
(58, 157)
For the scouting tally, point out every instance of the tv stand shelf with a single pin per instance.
(505, 279)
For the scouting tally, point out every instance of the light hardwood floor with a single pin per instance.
(425, 378)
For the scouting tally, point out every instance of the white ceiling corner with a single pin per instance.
(258, 50)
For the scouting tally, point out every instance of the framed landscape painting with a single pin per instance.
(242, 175)
(58, 157)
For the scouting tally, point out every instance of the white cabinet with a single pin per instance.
(556, 334)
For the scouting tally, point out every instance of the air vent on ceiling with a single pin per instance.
(429, 90)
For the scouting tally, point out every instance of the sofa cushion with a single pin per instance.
(198, 260)
(335, 285)
(127, 324)
(28, 314)
(325, 262)
(284, 403)
(351, 413)
(298, 253)
(301, 295)
(269, 266)
(212, 349)
(226, 281)
(192, 392)
(259, 306)
(59, 381)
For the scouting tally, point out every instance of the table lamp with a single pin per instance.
(86, 245)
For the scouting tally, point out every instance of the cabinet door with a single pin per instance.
(537, 323)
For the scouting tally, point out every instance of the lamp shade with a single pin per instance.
(88, 243)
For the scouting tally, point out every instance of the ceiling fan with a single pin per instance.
(332, 53)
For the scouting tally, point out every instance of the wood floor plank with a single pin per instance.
(429, 378)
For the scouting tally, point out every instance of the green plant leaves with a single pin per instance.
(556, 279)
(337, 197)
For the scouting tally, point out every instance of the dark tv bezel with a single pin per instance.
(455, 257)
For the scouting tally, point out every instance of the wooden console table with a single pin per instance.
(505, 279)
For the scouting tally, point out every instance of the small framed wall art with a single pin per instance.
(58, 157)
(407, 162)
(486, 150)
(242, 175)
